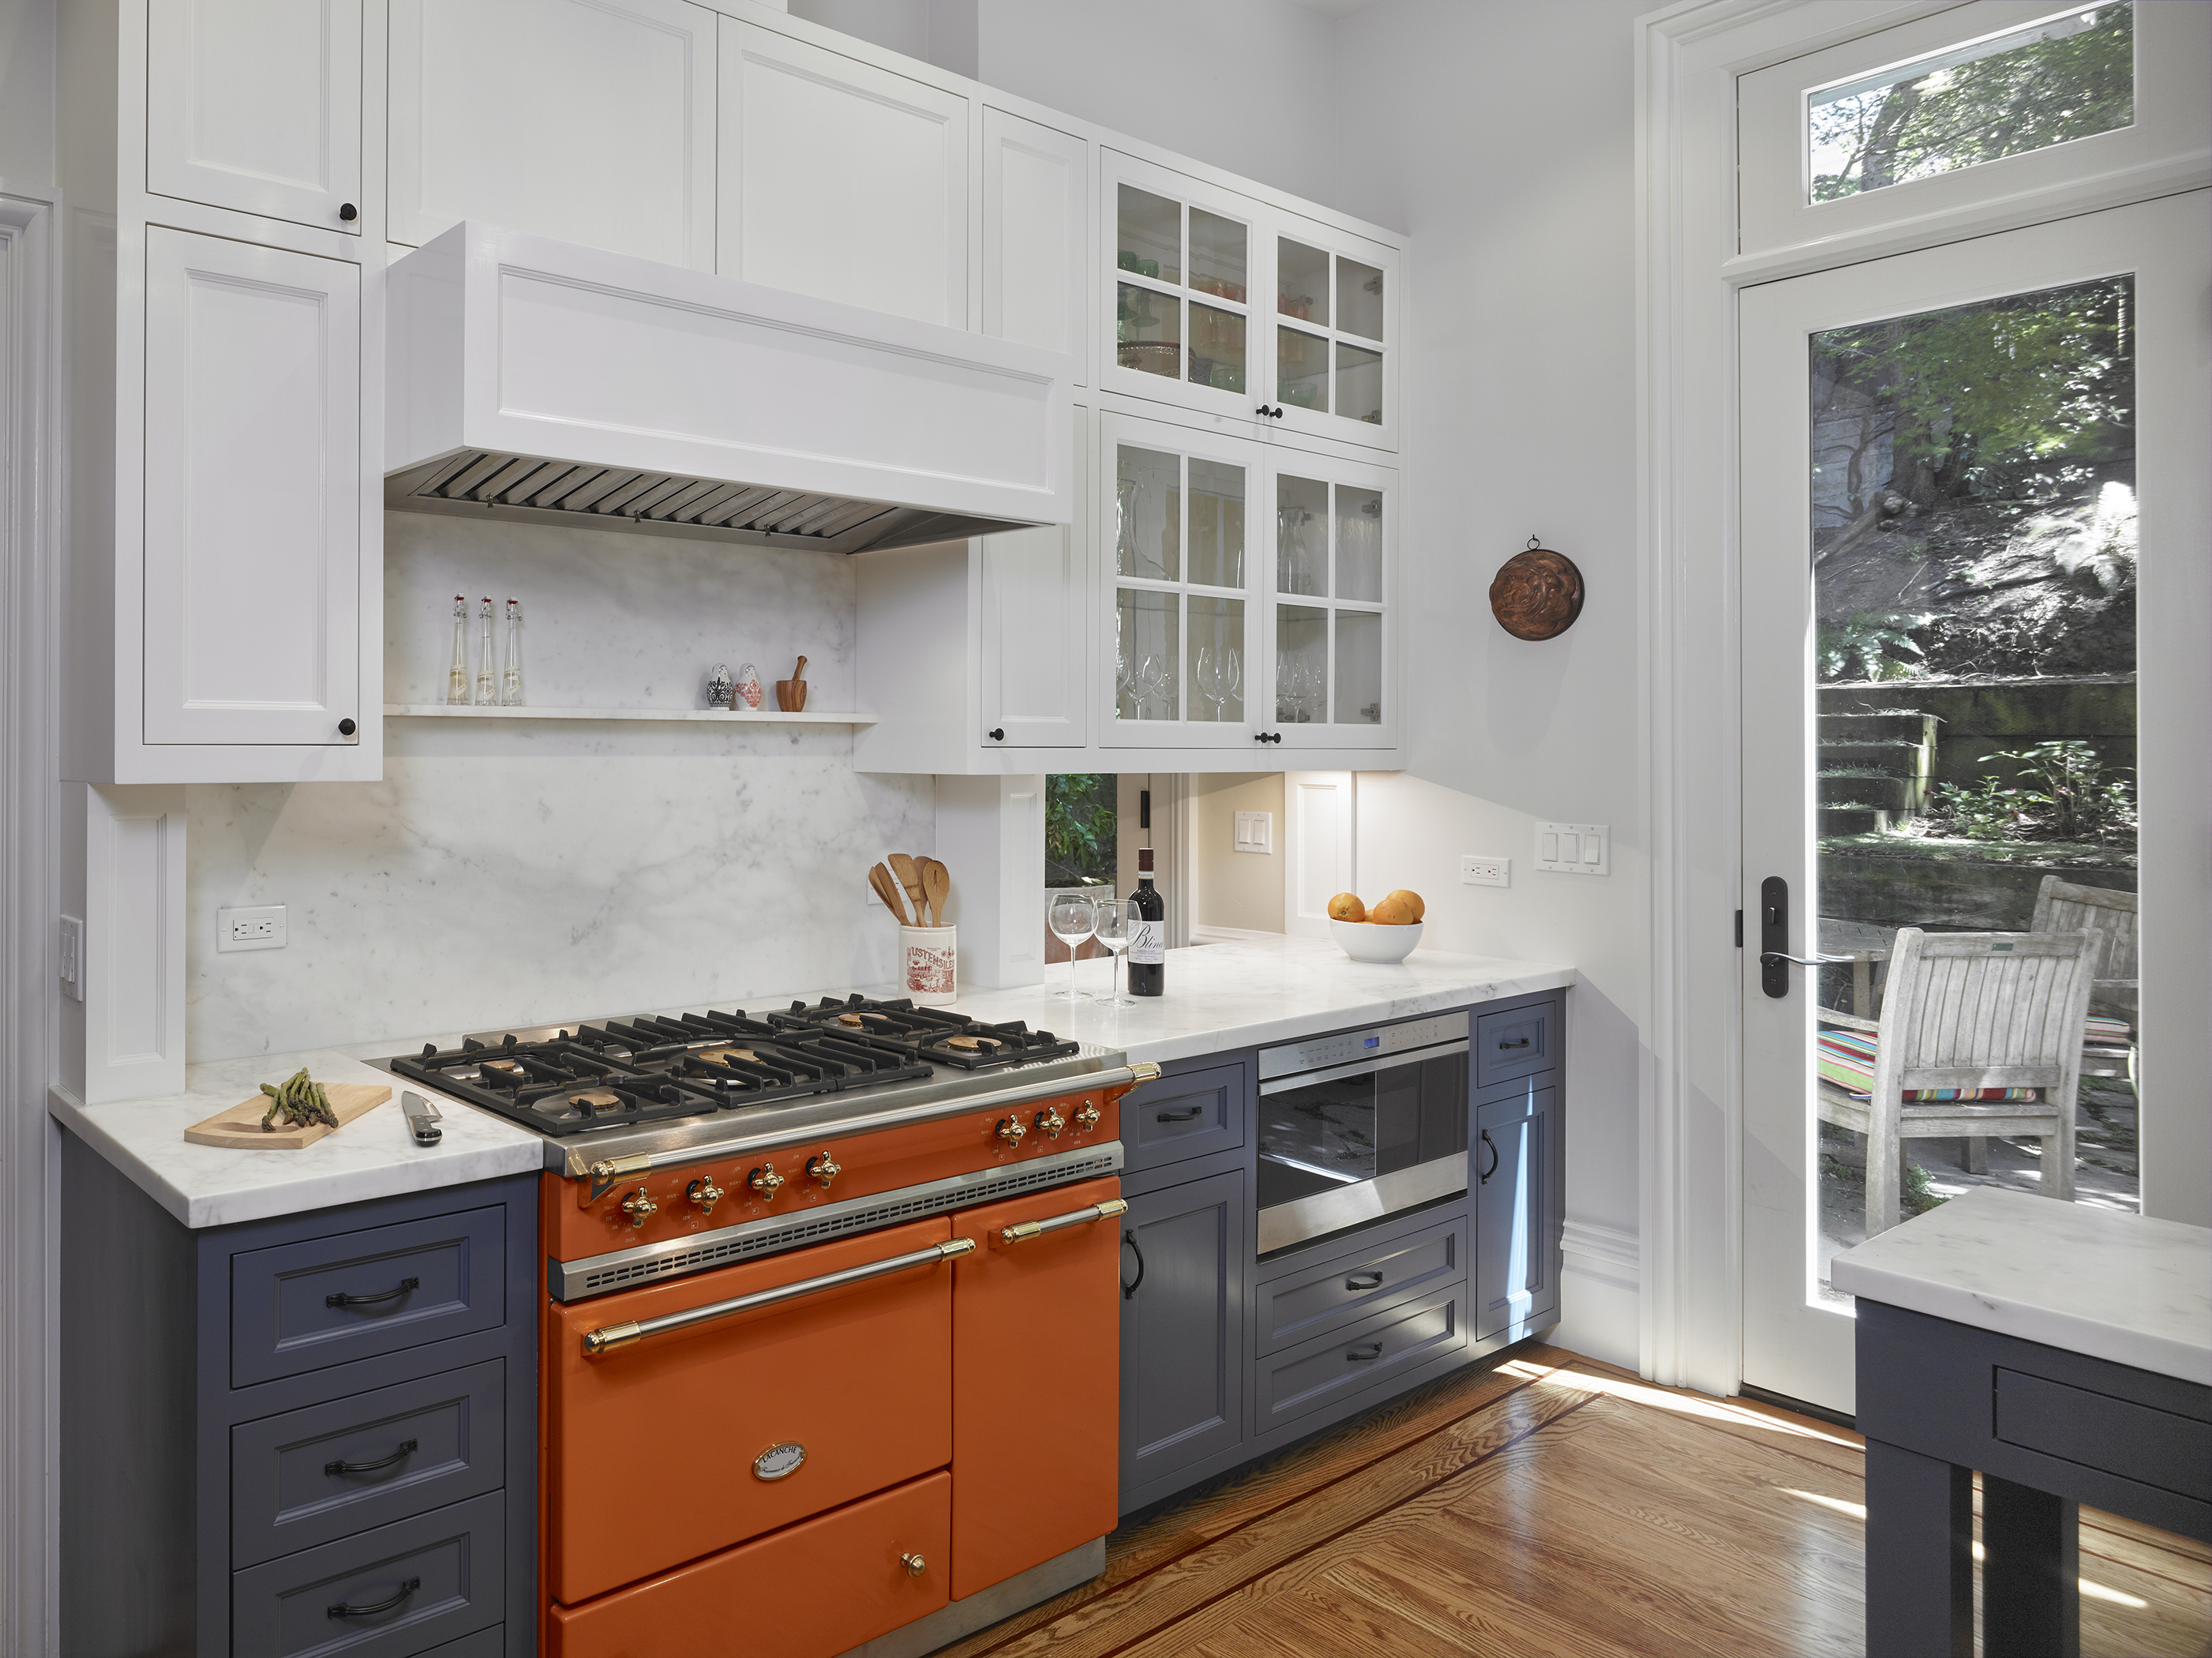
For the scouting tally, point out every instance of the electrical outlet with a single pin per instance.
(261, 927)
(72, 963)
(1574, 848)
(1475, 871)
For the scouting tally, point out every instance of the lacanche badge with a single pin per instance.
(778, 1461)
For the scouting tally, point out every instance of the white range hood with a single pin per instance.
(535, 379)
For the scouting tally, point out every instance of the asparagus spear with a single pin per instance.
(298, 1101)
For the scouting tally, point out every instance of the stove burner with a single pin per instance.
(941, 1036)
(651, 1070)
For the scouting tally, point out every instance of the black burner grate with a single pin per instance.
(941, 1036)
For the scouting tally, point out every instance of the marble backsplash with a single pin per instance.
(508, 873)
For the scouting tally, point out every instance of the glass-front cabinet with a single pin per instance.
(1248, 596)
(1223, 304)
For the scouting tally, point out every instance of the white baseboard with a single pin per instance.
(1611, 1253)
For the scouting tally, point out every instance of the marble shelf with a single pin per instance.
(763, 717)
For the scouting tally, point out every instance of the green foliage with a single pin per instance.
(1876, 643)
(2031, 95)
(2069, 792)
(1984, 812)
(1079, 822)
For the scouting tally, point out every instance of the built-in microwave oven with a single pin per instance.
(1360, 1125)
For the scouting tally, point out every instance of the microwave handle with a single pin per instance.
(1364, 1067)
(629, 1333)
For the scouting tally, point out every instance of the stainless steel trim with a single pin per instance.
(1317, 1051)
(1364, 1067)
(824, 1116)
(1104, 1209)
(1301, 1218)
(631, 1332)
(654, 1263)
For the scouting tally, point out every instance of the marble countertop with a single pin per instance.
(1220, 996)
(2097, 1281)
(1246, 992)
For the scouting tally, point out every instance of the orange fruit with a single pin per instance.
(1347, 907)
(1393, 911)
(1412, 900)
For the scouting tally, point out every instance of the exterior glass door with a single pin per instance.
(1946, 524)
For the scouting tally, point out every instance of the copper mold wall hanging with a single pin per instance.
(1537, 593)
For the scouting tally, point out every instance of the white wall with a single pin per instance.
(26, 92)
(1242, 890)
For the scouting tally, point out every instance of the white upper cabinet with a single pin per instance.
(1247, 591)
(589, 121)
(255, 104)
(841, 179)
(1221, 303)
(252, 602)
(1036, 235)
(1037, 640)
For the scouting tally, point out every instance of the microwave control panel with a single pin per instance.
(1349, 1047)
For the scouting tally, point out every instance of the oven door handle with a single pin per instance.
(1362, 1067)
(1032, 1229)
(610, 1337)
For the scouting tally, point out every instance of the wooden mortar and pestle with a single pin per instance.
(791, 694)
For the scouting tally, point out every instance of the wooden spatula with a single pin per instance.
(909, 878)
(936, 887)
(887, 889)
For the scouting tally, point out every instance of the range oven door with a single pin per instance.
(1346, 1146)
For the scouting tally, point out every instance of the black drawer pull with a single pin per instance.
(342, 1299)
(342, 1610)
(1365, 1355)
(1183, 1115)
(1492, 1170)
(1364, 1281)
(1503, 1046)
(405, 1447)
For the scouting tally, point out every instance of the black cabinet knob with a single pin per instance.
(347, 728)
(997, 733)
(349, 212)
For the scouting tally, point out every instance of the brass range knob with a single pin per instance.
(704, 1193)
(765, 1181)
(1089, 1117)
(640, 1207)
(1049, 1122)
(914, 1565)
(1010, 1130)
(823, 1168)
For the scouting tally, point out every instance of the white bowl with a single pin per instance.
(1371, 941)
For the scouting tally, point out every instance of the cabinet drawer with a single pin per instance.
(2135, 1441)
(455, 1557)
(300, 1307)
(1190, 1115)
(1516, 1041)
(1318, 1297)
(812, 1590)
(438, 1439)
(1375, 1351)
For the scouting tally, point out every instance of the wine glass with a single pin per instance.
(1113, 932)
(1220, 673)
(1072, 919)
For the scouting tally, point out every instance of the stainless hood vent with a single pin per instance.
(538, 381)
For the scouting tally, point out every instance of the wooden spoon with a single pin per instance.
(887, 889)
(937, 884)
(910, 879)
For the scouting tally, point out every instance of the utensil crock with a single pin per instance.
(929, 964)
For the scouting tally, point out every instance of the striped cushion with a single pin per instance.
(1846, 1059)
(2107, 1033)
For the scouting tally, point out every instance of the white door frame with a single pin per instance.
(1689, 274)
(30, 600)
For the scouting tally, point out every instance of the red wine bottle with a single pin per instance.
(1148, 933)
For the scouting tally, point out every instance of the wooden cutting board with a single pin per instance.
(239, 1129)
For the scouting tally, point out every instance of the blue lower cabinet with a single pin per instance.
(311, 1434)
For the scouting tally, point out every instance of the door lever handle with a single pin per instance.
(1766, 956)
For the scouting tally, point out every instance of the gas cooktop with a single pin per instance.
(691, 1069)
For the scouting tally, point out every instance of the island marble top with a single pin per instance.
(2102, 1282)
(1220, 996)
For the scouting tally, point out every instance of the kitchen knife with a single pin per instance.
(423, 1118)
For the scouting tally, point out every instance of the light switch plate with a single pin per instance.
(1256, 831)
(72, 962)
(1478, 871)
(1574, 848)
(260, 927)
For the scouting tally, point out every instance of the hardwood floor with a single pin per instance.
(1547, 1504)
